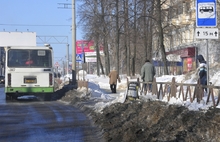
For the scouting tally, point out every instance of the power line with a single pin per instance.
(34, 25)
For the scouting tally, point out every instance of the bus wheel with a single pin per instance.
(8, 96)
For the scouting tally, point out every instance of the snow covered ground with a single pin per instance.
(99, 89)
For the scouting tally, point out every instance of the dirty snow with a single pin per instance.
(99, 89)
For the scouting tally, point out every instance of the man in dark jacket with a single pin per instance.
(148, 73)
(202, 70)
(203, 74)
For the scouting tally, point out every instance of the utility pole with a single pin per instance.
(67, 59)
(67, 6)
(73, 44)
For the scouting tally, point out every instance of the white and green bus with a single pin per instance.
(29, 71)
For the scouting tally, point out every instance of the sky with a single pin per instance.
(45, 17)
(99, 89)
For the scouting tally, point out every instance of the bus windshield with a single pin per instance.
(33, 58)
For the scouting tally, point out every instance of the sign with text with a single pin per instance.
(86, 46)
(206, 33)
(93, 53)
(91, 59)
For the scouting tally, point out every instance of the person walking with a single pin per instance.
(203, 74)
(113, 78)
(202, 70)
(147, 73)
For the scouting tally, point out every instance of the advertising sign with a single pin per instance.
(85, 46)
(18, 39)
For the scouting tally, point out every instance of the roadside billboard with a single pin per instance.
(85, 46)
(17, 39)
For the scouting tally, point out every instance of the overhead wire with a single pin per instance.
(31, 25)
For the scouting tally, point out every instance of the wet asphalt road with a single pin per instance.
(30, 120)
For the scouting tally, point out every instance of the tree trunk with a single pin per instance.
(135, 38)
(161, 38)
(98, 61)
(117, 37)
(106, 51)
(150, 33)
(126, 39)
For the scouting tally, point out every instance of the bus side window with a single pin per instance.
(10, 60)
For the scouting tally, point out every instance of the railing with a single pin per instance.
(180, 90)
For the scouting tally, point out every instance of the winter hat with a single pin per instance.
(201, 59)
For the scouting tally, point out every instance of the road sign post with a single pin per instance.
(206, 16)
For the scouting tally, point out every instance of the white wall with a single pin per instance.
(17, 39)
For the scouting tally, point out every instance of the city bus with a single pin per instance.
(29, 71)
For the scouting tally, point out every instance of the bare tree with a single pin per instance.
(161, 37)
(126, 38)
(107, 21)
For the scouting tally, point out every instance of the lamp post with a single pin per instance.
(73, 44)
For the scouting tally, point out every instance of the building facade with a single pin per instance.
(179, 22)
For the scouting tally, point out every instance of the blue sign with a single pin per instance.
(206, 13)
(79, 57)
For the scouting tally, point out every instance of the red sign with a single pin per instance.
(189, 64)
(85, 46)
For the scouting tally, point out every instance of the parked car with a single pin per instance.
(2, 79)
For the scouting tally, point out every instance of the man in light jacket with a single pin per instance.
(148, 73)
(113, 77)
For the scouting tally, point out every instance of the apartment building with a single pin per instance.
(179, 34)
